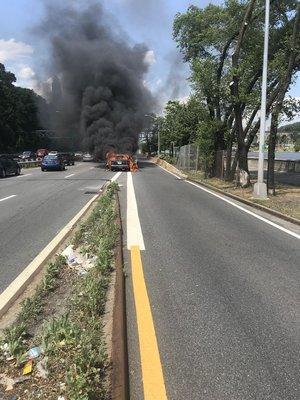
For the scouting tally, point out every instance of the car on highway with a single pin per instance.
(41, 153)
(68, 158)
(8, 166)
(53, 162)
(87, 157)
(78, 155)
(120, 165)
(28, 156)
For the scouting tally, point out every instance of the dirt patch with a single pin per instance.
(286, 200)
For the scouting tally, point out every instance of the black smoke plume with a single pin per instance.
(101, 76)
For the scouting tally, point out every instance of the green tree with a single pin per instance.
(18, 115)
(223, 45)
(179, 125)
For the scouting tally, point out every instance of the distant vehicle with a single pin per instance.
(68, 158)
(78, 155)
(87, 157)
(53, 153)
(41, 153)
(28, 156)
(53, 162)
(120, 162)
(8, 166)
(119, 165)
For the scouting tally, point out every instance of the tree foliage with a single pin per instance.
(18, 115)
(223, 45)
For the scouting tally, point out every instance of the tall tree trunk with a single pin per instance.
(234, 166)
(242, 151)
(228, 159)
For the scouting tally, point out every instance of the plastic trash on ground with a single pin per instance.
(27, 369)
(42, 370)
(78, 262)
(34, 352)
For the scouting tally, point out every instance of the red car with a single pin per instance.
(41, 153)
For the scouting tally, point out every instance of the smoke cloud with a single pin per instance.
(98, 91)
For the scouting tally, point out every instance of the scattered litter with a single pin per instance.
(70, 256)
(5, 350)
(79, 262)
(27, 369)
(42, 370)
(7, 382)
(82, 272)
(5, 347)
(21, 379)
(35, 352)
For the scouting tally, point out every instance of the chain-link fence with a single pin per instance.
(189, 158)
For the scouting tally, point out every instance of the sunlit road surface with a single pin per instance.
(35, 206)
(223, 289)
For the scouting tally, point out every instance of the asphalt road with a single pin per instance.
(224, 289)
(35, 206)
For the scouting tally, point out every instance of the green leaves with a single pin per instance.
(18, 114)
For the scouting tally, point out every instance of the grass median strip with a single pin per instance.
(64, 320)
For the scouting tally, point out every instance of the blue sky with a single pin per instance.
(148, 21)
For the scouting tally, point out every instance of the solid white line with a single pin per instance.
(134, 230)
(22, 176)
(281, 228)
(8, 197)
(116, 176)
(69, 176)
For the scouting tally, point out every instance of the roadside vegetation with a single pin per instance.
(223, 46)
(63, 320)
(286, 200)
(19, 116)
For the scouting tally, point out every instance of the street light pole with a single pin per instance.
(260, 188)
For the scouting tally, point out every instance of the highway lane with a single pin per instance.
(224, 293)
(42, 204)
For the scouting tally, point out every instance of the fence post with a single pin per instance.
(189, 157)
(222, 170)
(197, 159)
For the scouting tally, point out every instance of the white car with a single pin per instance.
(87, 157)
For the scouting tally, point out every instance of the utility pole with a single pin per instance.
(260, 188)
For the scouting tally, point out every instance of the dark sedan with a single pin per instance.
(8, 166)
(120, 165)
(53, 163)
(69, 158)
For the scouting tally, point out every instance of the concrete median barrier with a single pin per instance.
(164, 164)
(29, 164)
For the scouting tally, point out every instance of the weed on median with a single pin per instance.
(72, 342)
